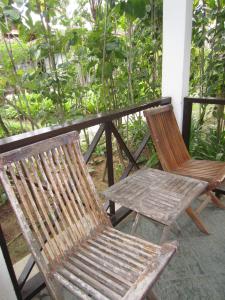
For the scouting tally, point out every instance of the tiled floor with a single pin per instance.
(197, 271)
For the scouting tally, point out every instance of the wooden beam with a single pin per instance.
(16, 141)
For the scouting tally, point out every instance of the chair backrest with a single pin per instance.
(166, 137)
(52, 195)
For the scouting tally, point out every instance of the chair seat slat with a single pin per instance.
(111, 257)
(104, 261)
(101, 266)
(72, 288)
(138, 257)
(130, 246)
(108, 280)
(88, 283)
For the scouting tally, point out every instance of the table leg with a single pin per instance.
(151, 295)
(134, 226)
(202, 206)
(165, 234)
(177, 227)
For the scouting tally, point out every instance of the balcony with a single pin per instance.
(199, 262)
(197, 271)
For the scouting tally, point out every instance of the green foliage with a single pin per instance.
(208, 78)
(19, 51)
(153, 161)
(83, 64)
(134, 8)
(100, 150)
(3, 198)
(134, 132)
(208, 49)
(205, 144)
(100, 57)
(15, 128)
(136, 129)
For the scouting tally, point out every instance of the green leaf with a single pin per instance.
(11, 13)
(134, 8)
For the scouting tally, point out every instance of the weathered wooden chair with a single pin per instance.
(69, 234)
(174, 156)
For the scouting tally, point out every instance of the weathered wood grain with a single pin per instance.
(159, 195)
(117, 276)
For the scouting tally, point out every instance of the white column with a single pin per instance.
(177, 28)
(6, 288)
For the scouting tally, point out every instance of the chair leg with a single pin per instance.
(215, 200)
(55, 289)
(196, 220)
(134, 226)
(151, 295)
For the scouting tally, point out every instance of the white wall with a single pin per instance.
(6, 288)
(177, 28)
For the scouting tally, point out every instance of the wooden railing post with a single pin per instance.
(186, 128)
(109, 160)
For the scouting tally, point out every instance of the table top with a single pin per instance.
(156, 194)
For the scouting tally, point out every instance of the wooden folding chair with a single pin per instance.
(69, 234)
(174, 156)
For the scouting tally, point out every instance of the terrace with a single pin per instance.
(197, 270)
(192, 272)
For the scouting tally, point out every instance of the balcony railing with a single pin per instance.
(26, 289)
(187, 117)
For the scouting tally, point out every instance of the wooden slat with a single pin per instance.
(87, 282)
(109, 281)
(134, 256)
(211, 171)
(136, 243)
(101, 267)
(73, 289)
(105, 261)
(166, 137)
(114, 259)
(40, 147)
(113, 253)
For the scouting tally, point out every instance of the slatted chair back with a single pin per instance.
(166, 137)
(53, 196)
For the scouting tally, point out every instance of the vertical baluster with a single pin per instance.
(109, 157)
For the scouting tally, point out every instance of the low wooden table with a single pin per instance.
(158, 195)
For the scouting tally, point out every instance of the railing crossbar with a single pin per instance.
(124, 146)
(136, 155)
(94, 143)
